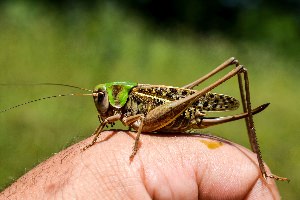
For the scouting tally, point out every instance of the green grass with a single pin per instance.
(108, 44)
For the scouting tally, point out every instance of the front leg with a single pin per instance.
(137, 122)
(100, 128)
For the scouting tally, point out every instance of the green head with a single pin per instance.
(114, 94)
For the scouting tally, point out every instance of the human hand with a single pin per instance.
(165, 167)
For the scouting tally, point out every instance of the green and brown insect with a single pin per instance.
(160, 108)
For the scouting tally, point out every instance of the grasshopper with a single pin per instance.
(160, 108)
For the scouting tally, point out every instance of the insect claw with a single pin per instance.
(131, 157)
(278, 178)
(85, 148)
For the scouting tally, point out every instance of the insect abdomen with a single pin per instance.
(216, 102)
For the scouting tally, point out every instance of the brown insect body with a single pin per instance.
(144, 98)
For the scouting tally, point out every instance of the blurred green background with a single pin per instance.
(155, 42)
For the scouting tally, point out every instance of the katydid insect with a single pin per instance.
(160, 108)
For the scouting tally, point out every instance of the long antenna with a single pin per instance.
(31, 84)
(44, 98)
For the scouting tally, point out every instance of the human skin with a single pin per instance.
(166, 166)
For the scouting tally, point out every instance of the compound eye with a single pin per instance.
(100, 97)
